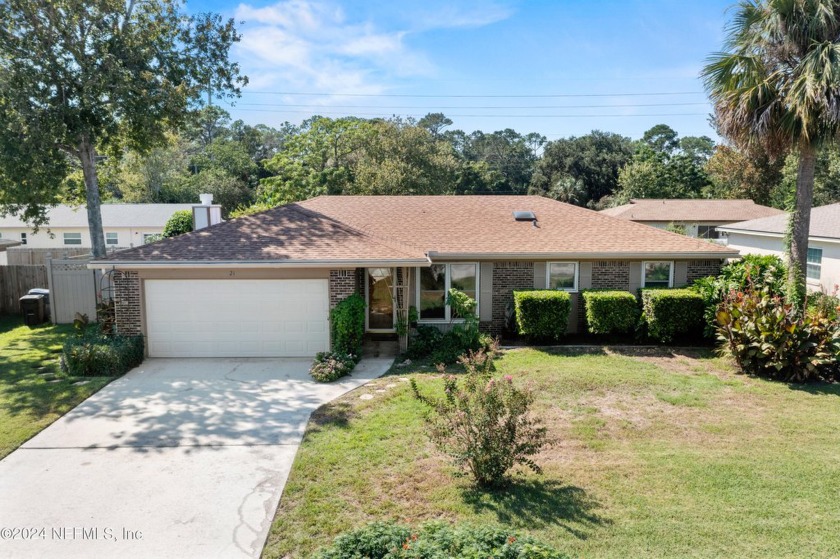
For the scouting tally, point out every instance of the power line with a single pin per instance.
(472, 106)
(547, 96)
(321, 113)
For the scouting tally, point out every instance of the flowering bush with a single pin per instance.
(387, 540)
(483, 423)
(329, 366)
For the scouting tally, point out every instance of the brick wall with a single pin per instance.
(342, 285)
(127, 303)
(507, 277)
(702, 268)
(611, 274)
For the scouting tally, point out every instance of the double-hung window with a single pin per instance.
(23, 238)
(72, 238)
(435, 282)
(658, 273)
(814, 267)
(562, 276)
(112, 238)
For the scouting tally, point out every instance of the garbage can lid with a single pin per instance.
(37, 297)
(39, 291)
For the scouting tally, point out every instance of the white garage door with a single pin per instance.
(237, 318)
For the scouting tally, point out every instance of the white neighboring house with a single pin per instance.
(767, 236)
(125, 226)
(700, 218)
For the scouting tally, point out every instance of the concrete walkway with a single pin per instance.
(179, 458)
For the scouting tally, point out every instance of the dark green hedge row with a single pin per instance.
(672, 313)
(347, 322)
(610, 312)
(542, 314)
(98, 355)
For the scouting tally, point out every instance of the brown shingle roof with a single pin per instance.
(667, 210)
(346, 228)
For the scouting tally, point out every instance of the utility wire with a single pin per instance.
(559, 95)
(322, 113)
(436, 107)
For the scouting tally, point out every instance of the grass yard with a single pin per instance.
(33, 390)
(656, 454)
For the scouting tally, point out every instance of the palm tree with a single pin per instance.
(777, 85)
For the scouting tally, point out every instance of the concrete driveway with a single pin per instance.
(179, 458)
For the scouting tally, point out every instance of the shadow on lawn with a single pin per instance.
(337, 414)
(536, 503)
(816, 388)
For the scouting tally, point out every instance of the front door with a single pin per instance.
(380, 299)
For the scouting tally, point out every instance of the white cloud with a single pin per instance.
(313, 45)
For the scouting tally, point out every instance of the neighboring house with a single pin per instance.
(125, 225)
(767, 236)
(699, 218)
(4, 244)
(263, 285)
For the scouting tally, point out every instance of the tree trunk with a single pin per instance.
(87, 154)
(801, 222)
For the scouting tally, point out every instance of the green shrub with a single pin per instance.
(484, 423)
(436, 540)
(753, 271)
(181, 222)
(770, 337)
(330, 366)
(347, 322)
(823, 304)
(542, 315)
(610, 312)
(668, 314)
(93, 354)
(462, 336)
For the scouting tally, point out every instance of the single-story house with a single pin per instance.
(125, 225)
(263, 285)
(767, 236)
(699, 218)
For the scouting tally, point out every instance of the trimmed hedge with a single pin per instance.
(672, 313)
(610, 312)
(388, 540)
(97, 355)
(542, 314)
(347, 322)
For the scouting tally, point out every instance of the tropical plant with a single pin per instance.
(777, 84)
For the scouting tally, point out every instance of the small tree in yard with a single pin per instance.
(483, 423)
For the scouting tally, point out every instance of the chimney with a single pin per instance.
(207, 213)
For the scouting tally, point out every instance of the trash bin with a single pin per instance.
(32, 308)
(46, 294)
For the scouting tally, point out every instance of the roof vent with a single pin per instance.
(524, 216)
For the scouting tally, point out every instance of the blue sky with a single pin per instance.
(574, 65)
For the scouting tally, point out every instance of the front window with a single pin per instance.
(814, 263)
(23, 238)
(72, 238)
(562, 276)
(436, 281)
(658, 274)
(112, 238)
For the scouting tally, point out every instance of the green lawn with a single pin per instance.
(655, 455)
(33, 390)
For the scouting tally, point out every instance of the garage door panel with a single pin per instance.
(236, 318)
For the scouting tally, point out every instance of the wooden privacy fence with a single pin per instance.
(15, 282)
(22, 256)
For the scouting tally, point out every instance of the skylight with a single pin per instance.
(524, 215)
